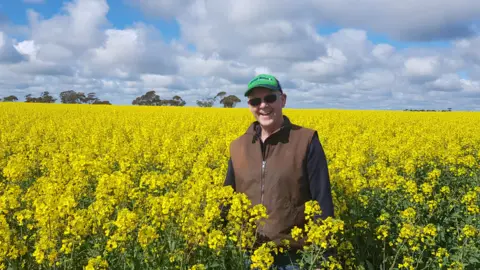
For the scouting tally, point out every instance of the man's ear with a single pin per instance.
(284, 100)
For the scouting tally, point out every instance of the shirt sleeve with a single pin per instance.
(229, 181)
(318, 177)
(230, 177)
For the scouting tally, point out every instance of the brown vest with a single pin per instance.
(281, 184)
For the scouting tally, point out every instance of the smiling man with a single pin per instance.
(280, 165)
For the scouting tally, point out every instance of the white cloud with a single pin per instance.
(447, 82)
(163, 8)
(468, 49)
(8, 53)
(407, 20)
(235, 40)
(383, 52)
(323, 68)
(156, 81)
(27, 48)
(78, 29)
(120, 50)
(422, 67)
(375, 80)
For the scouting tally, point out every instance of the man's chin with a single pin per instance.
(265, 121)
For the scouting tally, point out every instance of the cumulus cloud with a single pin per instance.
(8, 53)
(233, 41)
(79, 29)
(163, 8)
(128, 53)
(233, 30)
(406, 20)
(446, 82)
(422, 68)
(468, 49)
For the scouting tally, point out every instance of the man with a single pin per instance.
(278, 164)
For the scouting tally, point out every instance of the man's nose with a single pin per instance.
(263, 104)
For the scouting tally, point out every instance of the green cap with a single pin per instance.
(266, 81)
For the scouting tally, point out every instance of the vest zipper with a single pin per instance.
(262, 179)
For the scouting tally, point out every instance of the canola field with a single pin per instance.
(122, 187)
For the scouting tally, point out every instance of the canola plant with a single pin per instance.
(116, 187)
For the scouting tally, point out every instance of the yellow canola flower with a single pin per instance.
(471, 200)
(199, 266)
(262, 257)
(96, 263)
(468, 231)
(80, 181)
(216, 240)
(408, 214)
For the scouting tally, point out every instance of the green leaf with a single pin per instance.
(370, 265)
(473, 260)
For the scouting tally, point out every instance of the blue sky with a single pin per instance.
(122, 14)
(378, 38)
(374, 55)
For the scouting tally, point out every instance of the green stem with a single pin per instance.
(396, 255)
(427, 265)
(383, 251)
(419, 257)
(314, 259)
(71, 256)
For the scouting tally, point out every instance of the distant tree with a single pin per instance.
(230, 101)
(208, 102)
(177, 101)
(45, 97)
(428, 110)
(148, 99)
(220, 94)
(99, 102)
(29, 98)
(91, 98)
(152, 99)
(10, 98)
(72, 97)
(205, 103)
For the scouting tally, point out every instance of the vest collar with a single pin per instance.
(256, 130)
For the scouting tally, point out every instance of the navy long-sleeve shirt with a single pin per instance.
(317, 175)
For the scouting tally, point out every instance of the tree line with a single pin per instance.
(426, 110)
(150, 98)
(67, 97)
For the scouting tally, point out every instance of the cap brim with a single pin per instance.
(262, 86)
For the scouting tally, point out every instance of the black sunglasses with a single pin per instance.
(268, 99)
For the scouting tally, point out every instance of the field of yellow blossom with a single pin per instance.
(117, 187)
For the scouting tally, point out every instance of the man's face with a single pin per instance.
(267, 114)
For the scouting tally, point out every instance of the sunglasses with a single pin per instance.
(268, 99)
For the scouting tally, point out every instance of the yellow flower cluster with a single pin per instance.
(142, 187)
(96, 263)
(262, 258)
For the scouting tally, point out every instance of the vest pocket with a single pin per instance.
(300, 216)
(296, 216)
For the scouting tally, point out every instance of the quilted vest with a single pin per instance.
(273, 173)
